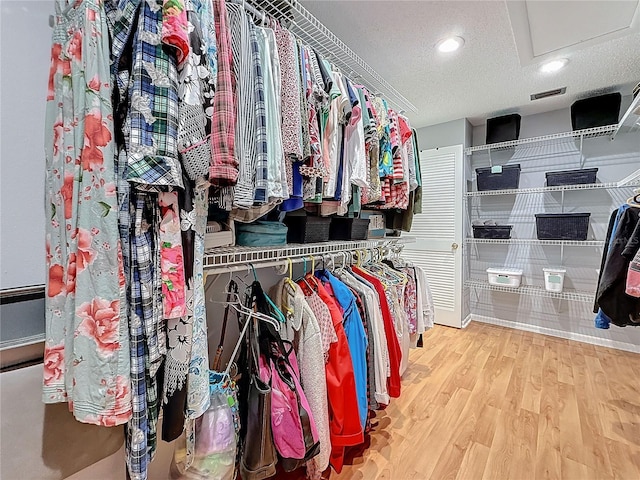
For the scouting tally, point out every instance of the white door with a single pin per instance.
(439, 231)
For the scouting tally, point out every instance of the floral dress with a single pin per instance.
(86, 358)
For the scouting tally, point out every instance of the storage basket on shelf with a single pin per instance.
(571, 177)
(554, 279)
(376, 228)
(505, 277)
(598, 111)
(562, 226)
(261, 234)
(506, 177)
(503, 129)
(307, 228)
(492, 231)
(345, 228)
(219, 235)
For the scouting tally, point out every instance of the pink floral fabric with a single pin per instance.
(86, 358)
(410, 301)
(171, 258)
(175, 28)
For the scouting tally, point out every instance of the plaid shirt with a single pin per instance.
(151, 85)
(250, 130)
(145, 315)
(261, 162)
(224, 166)
(136, 438)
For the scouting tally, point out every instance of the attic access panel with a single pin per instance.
(545, 29)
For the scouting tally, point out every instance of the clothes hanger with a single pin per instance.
(635, 200)
(304, 276)
(231, 288)
(280, 316)
(310, 276)
(237, 305)
(288, 280)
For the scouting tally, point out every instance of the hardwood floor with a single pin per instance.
(494, 403)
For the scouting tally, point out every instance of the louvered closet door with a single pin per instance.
(438, 230)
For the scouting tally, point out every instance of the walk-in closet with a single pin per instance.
(320, 239)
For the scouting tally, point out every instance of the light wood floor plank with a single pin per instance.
(488, 402)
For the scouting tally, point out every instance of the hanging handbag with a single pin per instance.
(258, 458)
(294, 431)
(208, 448)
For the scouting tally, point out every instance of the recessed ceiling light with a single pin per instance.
(553, 65)
(450, 44)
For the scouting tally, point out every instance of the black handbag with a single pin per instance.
(258, 455)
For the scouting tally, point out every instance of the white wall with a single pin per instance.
(25, 46)
(444, 134)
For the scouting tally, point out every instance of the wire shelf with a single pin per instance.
(533, 291)
(630, 120)
(534, 241)
(546, 139)
(633, 182)
(315, 34)
(229, 256)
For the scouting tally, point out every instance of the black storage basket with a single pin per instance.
(344, 228)
(492, 231)
(307, 229)
(503, 129)
(571, 177)
(507, 180)
(596, 111)
(562, 226)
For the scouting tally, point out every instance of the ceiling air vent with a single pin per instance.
(549, 93)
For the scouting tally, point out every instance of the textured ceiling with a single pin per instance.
(486, 77)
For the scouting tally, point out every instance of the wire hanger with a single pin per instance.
(237, 305)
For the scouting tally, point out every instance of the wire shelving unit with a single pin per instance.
(630, 120)
(532, 290)
(546, 139)
(533, 241)
(232, 256)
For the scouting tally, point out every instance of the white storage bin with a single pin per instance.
(554, 279)
(505, 277)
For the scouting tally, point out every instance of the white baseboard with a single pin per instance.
(467, 321)
(578, 337)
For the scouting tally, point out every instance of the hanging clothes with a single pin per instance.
(623, 243)
(250, 132)
(277, 188)
(86, 359)
(224, 159)
(395, 355)
(356, 336)
(303, 330)
(344, 418)
(290, 93)
(380, 351)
